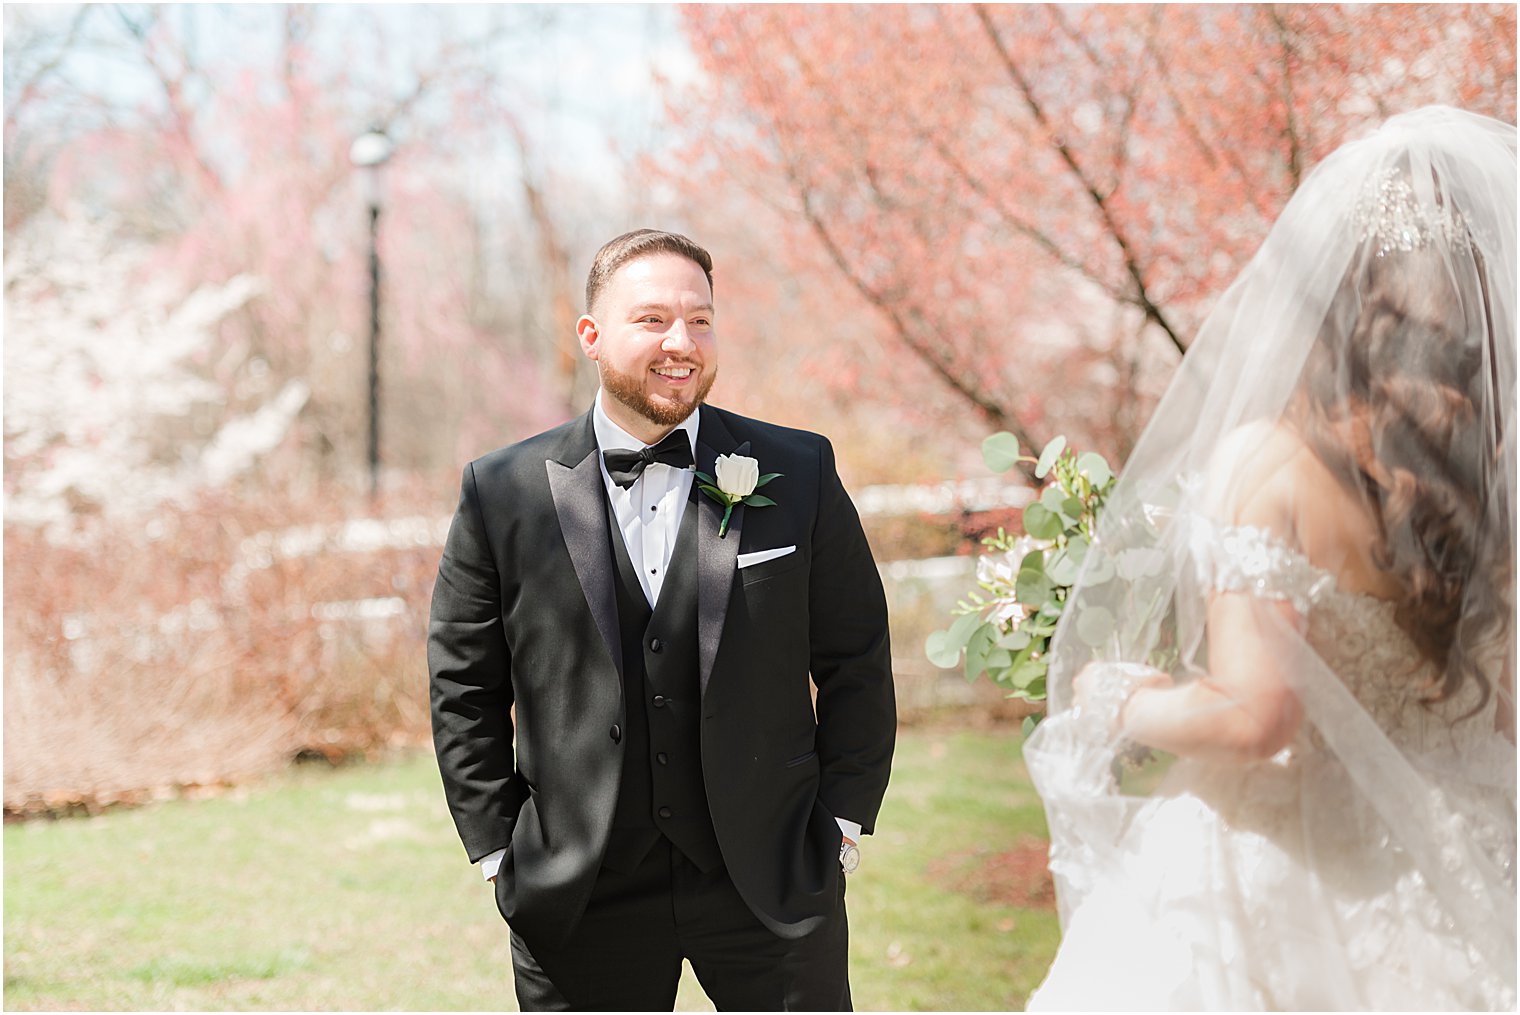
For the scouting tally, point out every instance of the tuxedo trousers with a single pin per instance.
(626, 952)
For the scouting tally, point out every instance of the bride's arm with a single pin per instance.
(1242, 709)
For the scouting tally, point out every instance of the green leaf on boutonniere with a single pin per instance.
(731, 499)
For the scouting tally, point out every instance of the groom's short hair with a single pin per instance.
(617, 252)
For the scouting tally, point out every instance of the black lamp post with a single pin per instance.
(369, 152)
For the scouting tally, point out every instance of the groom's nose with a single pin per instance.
(677, 338)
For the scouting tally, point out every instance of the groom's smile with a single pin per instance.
(652, 336)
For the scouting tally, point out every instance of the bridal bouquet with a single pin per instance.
(1004, 626)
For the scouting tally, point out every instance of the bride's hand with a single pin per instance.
(1099, 678)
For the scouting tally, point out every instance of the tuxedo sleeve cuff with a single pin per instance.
(491, 863)
(851, 830)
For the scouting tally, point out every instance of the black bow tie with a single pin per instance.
(625, 467)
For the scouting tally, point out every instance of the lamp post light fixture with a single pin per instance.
(370, 151)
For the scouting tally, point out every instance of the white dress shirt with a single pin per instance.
(648, 514)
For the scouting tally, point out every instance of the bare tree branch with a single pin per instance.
(27, 90)
(1141, 297)
(1290, 128)
(985, 405)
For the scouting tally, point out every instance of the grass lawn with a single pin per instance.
(347, 889)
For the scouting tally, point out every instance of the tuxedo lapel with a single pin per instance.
(716, 557)
(580, 501)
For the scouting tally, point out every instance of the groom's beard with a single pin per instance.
(629, 390)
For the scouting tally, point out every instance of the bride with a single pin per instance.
(1279, 768)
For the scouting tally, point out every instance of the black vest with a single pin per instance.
(661, 791)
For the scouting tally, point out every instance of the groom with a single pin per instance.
(621, 690)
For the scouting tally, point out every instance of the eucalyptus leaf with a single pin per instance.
(1030, 722)
(1061, 569)
(1096, 467)
(940, 652)
(1000, 452)
(1049, 455)
(1052, 609)
(1027, 673)
(1055, 500)
(1032, 587)
(1099, 569)
(1040, 522)
(1094, 626)
(1034, 560)
(999, 659)
(960, 632)
(1036, 689)
(977, 649)
(1013, 641)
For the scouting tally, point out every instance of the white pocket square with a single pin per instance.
(761, 556)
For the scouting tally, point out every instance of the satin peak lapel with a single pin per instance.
(715, 557)
(580, 501)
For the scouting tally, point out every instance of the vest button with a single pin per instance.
(659, 701)
(616, 733)
(656, 645)
(662, 758)
(665, 812)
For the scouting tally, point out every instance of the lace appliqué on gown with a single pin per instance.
(1243, 558)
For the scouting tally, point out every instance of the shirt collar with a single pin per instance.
(611, 437)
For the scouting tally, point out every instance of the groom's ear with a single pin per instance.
(587, 331)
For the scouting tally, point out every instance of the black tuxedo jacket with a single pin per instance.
(524, 615)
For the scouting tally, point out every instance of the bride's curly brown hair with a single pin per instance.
(1400, 401)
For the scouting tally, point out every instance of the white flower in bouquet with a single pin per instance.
(1023, 547)
(992, 569)
(1007, 611)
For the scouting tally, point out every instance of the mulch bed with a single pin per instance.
(1015, 877)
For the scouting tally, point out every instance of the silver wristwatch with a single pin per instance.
(849, 856)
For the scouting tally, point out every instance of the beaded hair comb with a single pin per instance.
(1389, 215)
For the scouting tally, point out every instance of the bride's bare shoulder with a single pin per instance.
(1266, 475)
(1257, 473)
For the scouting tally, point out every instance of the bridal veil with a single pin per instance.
(1362, 368)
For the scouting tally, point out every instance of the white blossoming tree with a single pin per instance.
(114, 400)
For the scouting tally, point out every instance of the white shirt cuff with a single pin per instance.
(490, 864)
(851, 829)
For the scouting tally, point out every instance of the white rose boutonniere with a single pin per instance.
(738, 479)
